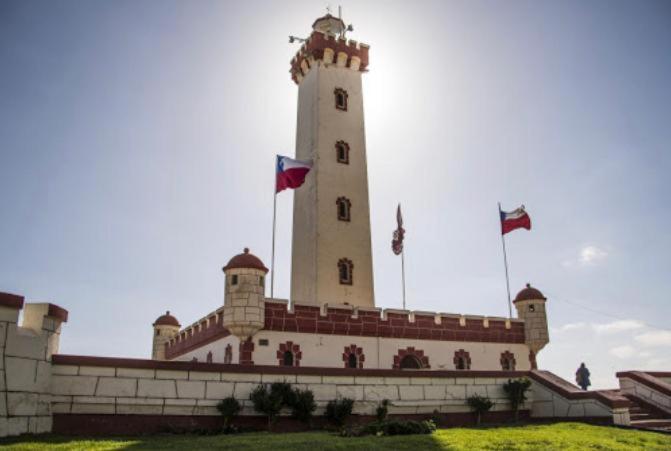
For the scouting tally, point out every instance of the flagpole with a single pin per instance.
(403, 275)
(505, 263)
(272, 259)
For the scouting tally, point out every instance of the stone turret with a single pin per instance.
(530, 305)
(165, 327)
(244, 297)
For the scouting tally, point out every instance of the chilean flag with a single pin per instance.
(517, 219)
(290, 173)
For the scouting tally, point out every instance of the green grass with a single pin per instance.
(561, 436)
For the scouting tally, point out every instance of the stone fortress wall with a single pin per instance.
(25, 364)
(42, 391)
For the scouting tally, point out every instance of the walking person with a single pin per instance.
(582, 377)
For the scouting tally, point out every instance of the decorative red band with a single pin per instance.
(63, 359)
(11, 301)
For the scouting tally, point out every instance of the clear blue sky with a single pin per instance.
(137, 142)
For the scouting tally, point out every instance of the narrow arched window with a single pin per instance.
(345, 271)
(288, 359)
(208, 359)
(228, 354)
(344, 205)
(507, 361)
(461, 363)
(462, 360)
(340, 99)
(342, 152)
(352, 361)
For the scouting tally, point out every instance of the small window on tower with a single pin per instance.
(261, 280)
(345, 271)
(532, 308)
(234, 279)
(340, 99)
(342, 152)
(344, 206)
(158, 332)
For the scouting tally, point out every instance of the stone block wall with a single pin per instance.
(556, 398)
(97, 385)
(25, 364)
(648, 387)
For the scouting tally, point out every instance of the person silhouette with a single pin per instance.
(582, 377)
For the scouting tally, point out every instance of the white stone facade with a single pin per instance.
(25, 364)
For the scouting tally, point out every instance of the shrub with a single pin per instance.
(479, 404)
(516, 393)
(229, 409)
(268, 402)
(284, 392)
(338, 410)
(302, 405)
(382, 410)
(391, 427)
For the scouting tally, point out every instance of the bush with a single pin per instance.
(229, 409)
(302, 405)
(338, 410)
(382, 410)
(391, 427)
(516, 393)
(479, 404)
(268, 402)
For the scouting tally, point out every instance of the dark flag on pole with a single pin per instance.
(399, 233)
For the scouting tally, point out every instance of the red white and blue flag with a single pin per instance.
(517, 219)
(399, 233)
(290, 173)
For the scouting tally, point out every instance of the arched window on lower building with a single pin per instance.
(411, 358)
(288, 359)
(208, 359)
(410, 362)
(507, 361)
(462, 360)
(353, 356)
(228, 354)
(289, 354)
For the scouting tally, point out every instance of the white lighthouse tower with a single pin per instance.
(331, 250)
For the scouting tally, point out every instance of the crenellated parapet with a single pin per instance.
(328, 49)
(390, 323)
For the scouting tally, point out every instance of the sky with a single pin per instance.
(137, 141)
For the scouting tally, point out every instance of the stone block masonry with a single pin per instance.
(25, 364)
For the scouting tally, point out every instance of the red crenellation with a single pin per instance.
(314, 48)
(308, 319)
(190, 339)
(365, 323)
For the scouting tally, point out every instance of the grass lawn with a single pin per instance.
(562, 436)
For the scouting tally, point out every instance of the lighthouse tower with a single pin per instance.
(331, 249)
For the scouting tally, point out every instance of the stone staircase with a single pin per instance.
(646, 416)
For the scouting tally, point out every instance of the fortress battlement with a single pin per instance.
(283, 316)
(330, 49)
